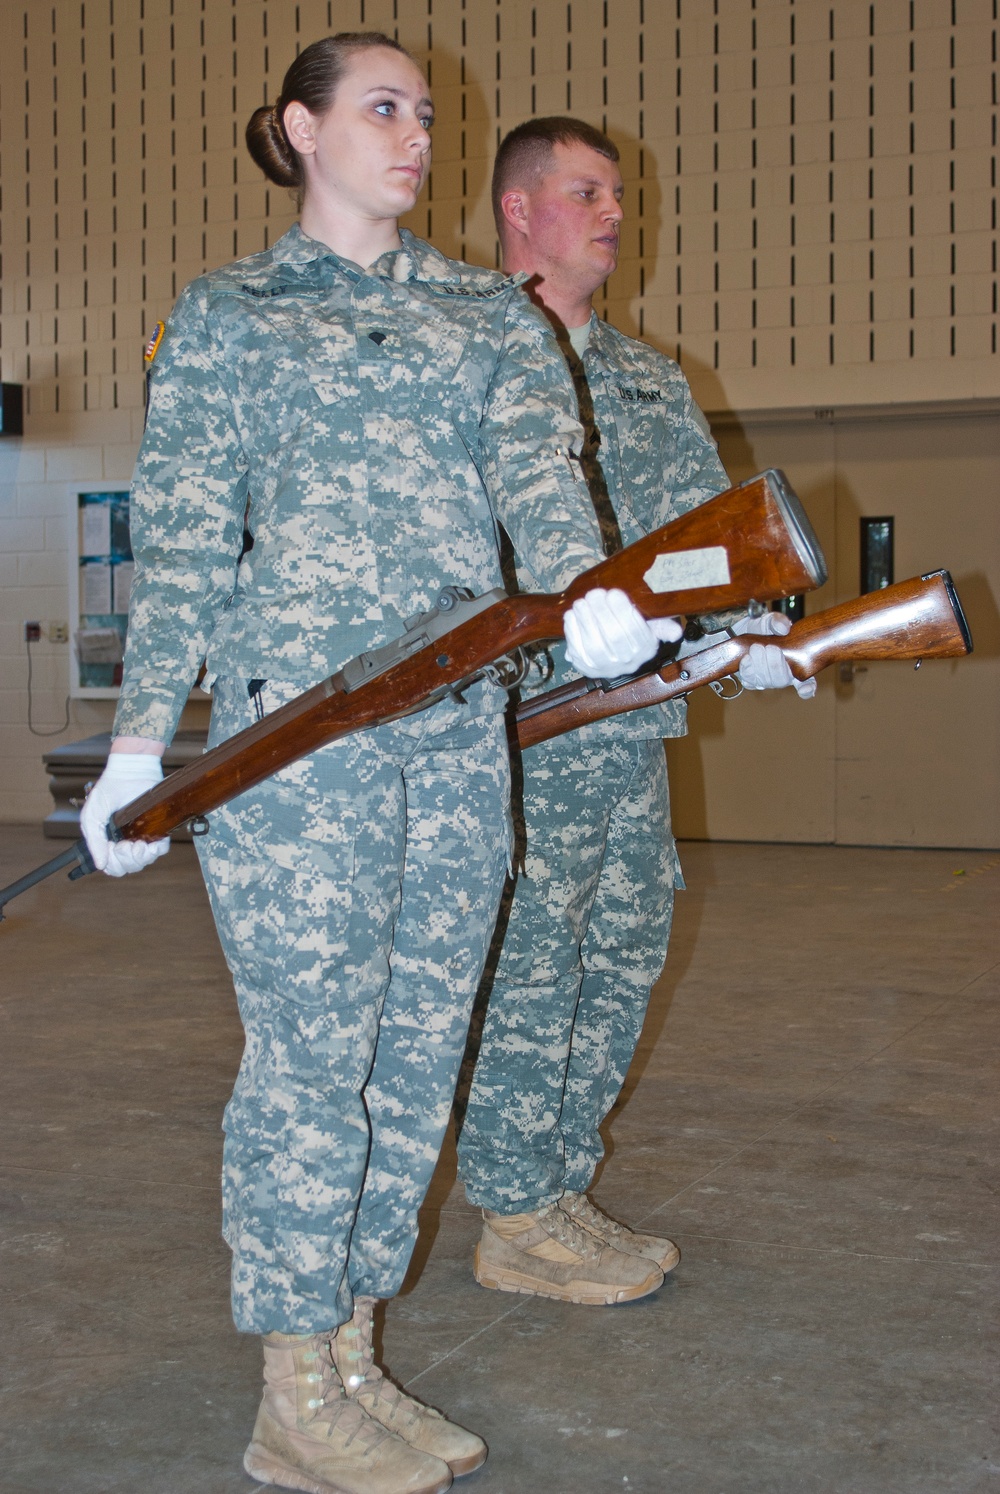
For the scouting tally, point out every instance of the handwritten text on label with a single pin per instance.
(682, 570)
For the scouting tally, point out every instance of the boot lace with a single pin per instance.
(556, 1222)
(333, 1407)
(362, 1374)
(592, 1218)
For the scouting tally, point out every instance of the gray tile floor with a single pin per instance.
(812, 1115)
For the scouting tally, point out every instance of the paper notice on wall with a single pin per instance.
(122, 585)
(95, 528)
(121, 542)
(686, 570)
(95, 587)
(99, 646)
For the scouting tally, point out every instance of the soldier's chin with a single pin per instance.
(408, 190)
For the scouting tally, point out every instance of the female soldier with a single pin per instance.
(374, 409)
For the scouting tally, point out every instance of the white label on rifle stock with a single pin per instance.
(684, 570)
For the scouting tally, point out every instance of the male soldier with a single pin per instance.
(590, 916)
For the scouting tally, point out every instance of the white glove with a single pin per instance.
(127, 775)
(767, 622)
(767, 668)
(606, 635)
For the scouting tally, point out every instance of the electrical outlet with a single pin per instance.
(58, 632)
(32, 632)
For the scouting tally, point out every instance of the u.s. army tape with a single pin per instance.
(683, 570)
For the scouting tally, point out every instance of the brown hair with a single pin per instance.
(526, 153)
(311, 80)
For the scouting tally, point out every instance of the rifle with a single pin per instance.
(750, 543)
(917, 619)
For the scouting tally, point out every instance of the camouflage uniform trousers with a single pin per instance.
(586, 939)
(355, 894)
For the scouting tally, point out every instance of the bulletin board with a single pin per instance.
(100, 583)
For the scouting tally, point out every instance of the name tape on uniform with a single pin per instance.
(683, 570)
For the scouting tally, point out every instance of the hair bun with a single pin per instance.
(269, 147)
(311, 81)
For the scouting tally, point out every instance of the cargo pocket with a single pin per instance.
(280, 864)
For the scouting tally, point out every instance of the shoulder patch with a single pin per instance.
(153, 345)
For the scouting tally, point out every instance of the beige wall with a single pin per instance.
(811, 197)
(896, 757)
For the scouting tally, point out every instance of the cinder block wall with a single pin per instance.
(811, 198)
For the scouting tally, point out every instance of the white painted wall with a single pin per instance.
(38, 473)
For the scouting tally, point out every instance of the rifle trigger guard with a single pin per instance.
(719, 686)
(509, 671)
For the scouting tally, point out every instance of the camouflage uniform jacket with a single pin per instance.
(648, 458)
(373, 425)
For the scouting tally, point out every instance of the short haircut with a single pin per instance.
(526, 153)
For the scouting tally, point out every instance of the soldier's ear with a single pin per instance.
(515, 211)
(300, 128)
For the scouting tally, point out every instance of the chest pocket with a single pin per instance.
(306, 352)
(638, 401)
(646, 450)
(416, 358)
(643, 434)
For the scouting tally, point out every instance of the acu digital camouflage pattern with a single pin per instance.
(648, 457)
(354, 893)
(374, 425)
(586, 939)
(591, 908)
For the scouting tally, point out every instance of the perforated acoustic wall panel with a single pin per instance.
(811, 201)
(811, 186)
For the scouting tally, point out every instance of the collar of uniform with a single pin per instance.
(297, 248)
(312, 263)
(416, 260)
(599, 345)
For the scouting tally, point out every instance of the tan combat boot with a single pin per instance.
(419, 1425)
(547, 1254)
(310, 1435)
(653, 1247)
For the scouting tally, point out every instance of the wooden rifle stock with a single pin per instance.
(918, 619)
(752, 542)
